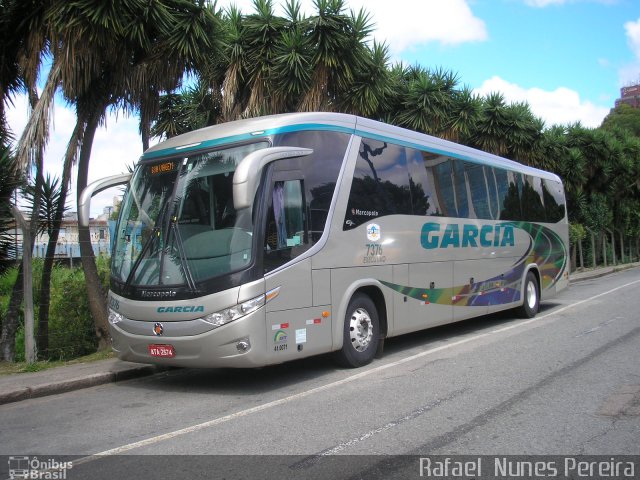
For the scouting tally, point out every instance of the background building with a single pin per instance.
(629, 95)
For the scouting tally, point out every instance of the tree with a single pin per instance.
(623, 117)
(338, 52)
(47, 214)
(428, 103)
(117, 55)
(12, 179)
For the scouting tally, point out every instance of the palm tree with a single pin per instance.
(429, 101)
(264, 31)
(12, 179)
(370, 93)
(50, 194)
(118, 55)
(525, 135)
(493, 126)
(463, 116)
(338, 50)
(293, 59)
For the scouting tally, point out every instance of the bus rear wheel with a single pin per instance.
(531, 303)
(361, 332)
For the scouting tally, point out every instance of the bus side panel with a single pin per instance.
(297, 333)
(294, 327)
(433, 279)
(400, 303)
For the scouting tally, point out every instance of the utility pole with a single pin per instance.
(29, 337)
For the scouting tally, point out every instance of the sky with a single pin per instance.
(567, 58)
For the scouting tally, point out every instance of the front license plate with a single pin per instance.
(164, 351)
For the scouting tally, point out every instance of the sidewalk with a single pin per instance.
(22, 386)
(600, 272)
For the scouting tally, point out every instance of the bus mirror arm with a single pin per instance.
(247, 174)
(84, 205)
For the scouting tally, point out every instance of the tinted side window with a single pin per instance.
(479, 190)
(532, 202)
(320, 170)
(502, 188)
(443, 173)
(554, 203)
(493, 193)
(380, 183)
(424, 195)
(511, 209)
(460, 182)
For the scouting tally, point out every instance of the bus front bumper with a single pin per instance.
(239, 344)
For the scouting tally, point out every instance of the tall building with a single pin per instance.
(629, 95)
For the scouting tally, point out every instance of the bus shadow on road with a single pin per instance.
(317, 370)
(457, 330)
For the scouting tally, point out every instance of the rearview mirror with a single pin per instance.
(247, 175)
(84, 205)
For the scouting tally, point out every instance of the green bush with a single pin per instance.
(71, 330)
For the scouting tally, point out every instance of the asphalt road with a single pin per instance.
(564, 383)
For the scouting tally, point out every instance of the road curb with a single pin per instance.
(78, 383)
(588, 275)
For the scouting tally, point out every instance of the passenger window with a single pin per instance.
(423, 182)
(511, 202)
(285, 236)
(532, 201)
(460, 182)
(444, 185)
(479, 190)
(380, 184)
(553, 200)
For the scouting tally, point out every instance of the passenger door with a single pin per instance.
(294, 327)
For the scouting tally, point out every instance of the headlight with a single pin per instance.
(114, 317)
(230, 314)
(227, 315)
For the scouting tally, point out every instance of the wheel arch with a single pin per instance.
(373, 290)
(533, 268)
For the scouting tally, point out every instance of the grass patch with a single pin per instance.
(7, 368)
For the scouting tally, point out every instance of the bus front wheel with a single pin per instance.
(361, 332)
(531, 304)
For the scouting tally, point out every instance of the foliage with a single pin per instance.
(577, 233)
(623, 117)
(11, 180)
(50, 196)
(71, 332)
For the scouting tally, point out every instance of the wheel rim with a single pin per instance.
(360, 329)
(532, 295)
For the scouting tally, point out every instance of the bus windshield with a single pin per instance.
(178, 225)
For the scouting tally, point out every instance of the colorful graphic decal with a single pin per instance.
(280, 341)
(280, 336)
(546, 249)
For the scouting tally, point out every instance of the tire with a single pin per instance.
(531, 303)
(360, 334)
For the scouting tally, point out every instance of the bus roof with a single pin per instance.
(252, 128)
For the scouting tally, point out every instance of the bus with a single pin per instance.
(270, 239)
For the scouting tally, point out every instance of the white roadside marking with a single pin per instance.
(322, 388)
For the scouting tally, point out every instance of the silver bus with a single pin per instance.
(265, 240)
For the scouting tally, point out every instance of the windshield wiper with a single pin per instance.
(155, 233)
(183, 256)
